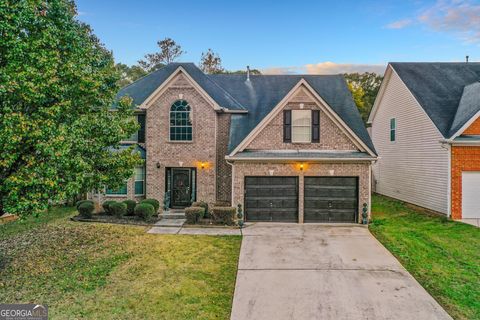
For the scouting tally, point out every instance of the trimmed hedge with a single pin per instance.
(106, 206)
(202, 204)
(144, 210)
(224, 215)
(130, 207)
(82, 201)
(193, 214)
(86, 209)
(221, 204)
(155, 203)
(118, 209)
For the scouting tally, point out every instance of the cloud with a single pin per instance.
(457, 16)
(327, 67)
(400, 24)
(460, 17)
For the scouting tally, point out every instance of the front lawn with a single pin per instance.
(444, 256)
(101, 271)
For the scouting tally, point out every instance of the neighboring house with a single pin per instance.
(285, 147)
(426, 130)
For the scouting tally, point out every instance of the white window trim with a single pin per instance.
(309, 140)
(170, 122)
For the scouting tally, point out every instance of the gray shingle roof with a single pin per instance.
(258, 96)
(294, 155)
(439, 88)
(263, 92)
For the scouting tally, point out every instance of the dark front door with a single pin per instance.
(271, 199)
(331, 199)
(181, 189)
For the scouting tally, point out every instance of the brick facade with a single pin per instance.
(473, 129)
(224, 170)
(162, 153)
(463, 159)
(360, 170)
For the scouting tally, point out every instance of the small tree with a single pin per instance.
(169, 52)
(129, 74)
(211, 62)
(364, 88)
(57, 85)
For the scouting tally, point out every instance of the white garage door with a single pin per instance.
(471, 194)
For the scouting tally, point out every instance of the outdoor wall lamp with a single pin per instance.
(158, 164)
(202, 165)
(301, 166)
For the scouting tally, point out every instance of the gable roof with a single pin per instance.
(258, 96)
(443, 91)
(141, 89)
(263, 92)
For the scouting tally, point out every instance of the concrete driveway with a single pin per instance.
(292, 271)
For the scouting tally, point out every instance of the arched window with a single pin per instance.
(180, 121)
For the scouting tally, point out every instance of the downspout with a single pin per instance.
(233, 179)
(445, 144)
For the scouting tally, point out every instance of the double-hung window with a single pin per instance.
(393, 129)
(140, 181)
(301, 126)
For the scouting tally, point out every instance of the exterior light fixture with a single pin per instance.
(301, 166)
(158, 164)
(202, 165)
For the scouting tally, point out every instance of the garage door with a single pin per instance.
(470, 194)
(271, 199)
(331, 199)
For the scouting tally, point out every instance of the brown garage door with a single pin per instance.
(331, 199)
(271, 199)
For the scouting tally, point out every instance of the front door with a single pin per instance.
(181, 187)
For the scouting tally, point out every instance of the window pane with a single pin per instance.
(392, 135)
(180, 121)
(122, 190)
(301, 117)
(392, 123)
(139, 187)
(301, 134)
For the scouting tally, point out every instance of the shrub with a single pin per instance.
(118, 209)
(106, 206)
(155, 203)
(86, 209)
(221, 204)
(144, 210)
(202, 204)
(82, 201)
(130, 207)
(193, 214)
(224, 215)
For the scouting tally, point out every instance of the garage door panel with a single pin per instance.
(331, 199)
(271, 199)
(471, 194)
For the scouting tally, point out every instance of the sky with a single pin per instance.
(317, 37)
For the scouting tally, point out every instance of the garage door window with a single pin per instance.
(301, 126)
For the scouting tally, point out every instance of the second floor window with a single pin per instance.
(393, 129)
(301, 126)
(180, 121)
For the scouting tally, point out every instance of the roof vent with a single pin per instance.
(248, 73)
(466, 59)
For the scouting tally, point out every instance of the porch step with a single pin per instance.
(173, 215)
(170, 223)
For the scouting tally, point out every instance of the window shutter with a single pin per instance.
(141, 131)
(287, 125)
(315, 125)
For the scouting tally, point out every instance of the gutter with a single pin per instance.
(459, 143)
(233, 158)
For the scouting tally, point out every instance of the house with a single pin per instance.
(286, 147)
(426, 130)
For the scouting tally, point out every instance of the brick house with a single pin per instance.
(285, 147)
(426, 129)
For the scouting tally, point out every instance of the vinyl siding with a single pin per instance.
(414, 168)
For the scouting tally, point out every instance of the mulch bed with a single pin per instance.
(103, 218)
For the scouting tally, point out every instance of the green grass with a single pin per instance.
(101, 271)
(443, 255)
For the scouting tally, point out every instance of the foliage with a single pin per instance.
(202, 204)
(224, 215)
(118, 209)
(129, 74)
(82, 201)
(252, 71)
(82, 271)
(364, 88)
(106, 206)
(193, 214)
(86, 209)
(441, 254)
(154, 202)
(211, 62)
(221, 204)
(144, 210)
(130, 206)
(169, 52)
(57, 84)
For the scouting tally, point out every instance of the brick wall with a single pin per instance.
(360, 170)
(224, 170)
(463, 159)
(168, 154)
(474, 128)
